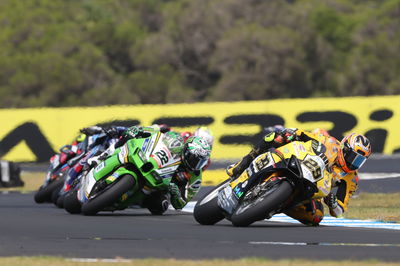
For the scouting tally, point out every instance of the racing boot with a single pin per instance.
(310, 214)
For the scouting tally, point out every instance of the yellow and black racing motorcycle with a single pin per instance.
(274, 182)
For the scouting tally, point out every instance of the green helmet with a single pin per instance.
(196, 153)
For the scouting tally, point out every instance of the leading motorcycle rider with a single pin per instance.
(186, 181)
(344, 159)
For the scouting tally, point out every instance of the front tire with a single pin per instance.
(109, 196)
(252, 210)
(44, 194)
(206, 211)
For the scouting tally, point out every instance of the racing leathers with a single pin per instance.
(344, 184)
(184, 183)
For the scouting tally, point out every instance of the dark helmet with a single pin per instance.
(196, 153)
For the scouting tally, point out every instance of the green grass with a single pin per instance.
(376, 206)
(32, 180)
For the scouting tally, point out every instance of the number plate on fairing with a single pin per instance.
(227, 200)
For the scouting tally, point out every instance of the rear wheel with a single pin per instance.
(60, 201)
(71, 203)
(260, 201)
(108, 196)
(44, 194)
(206, 211)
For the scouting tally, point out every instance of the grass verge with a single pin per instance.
(375, 206)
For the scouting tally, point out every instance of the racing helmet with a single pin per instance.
(354, 152)
(185, 135)
(196, 153)
(205, 133)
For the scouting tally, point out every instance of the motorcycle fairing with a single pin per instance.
(296, 159)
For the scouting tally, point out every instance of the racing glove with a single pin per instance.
(95, 160)
(285, 136)
(230, 169)
(133, 132)
(91, 130)
(112, 132)
(177, 200)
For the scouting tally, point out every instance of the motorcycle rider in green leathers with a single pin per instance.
(186, 181)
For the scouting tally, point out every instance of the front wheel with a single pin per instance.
(206, 211)
(108, 196)
(260, 201)
(44, 194)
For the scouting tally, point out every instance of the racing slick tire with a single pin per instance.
(108, 196)
(60, 201)
(71, 203)
(250, 211)
(44, 194)
(206, 211)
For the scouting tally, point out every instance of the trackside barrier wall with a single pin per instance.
(35, 134)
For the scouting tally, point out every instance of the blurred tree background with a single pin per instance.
(98, 52)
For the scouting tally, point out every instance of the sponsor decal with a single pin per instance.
(99, 167)
(122, 155)
(145, 143)
(36, 134)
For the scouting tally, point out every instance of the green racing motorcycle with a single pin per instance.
(137, 173)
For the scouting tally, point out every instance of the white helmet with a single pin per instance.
(206, 134)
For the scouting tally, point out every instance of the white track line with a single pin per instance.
(328, 220)
(372, 176)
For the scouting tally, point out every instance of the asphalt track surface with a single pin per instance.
(29, 229)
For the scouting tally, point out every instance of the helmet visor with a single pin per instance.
(353, 159)
(200, 164)
(195, 162)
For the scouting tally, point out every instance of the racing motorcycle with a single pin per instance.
(96, 144)
(61, 163)
(55, 177)
(274, 182)
(138, 171)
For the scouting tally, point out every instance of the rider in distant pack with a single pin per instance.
(93, 136)
(344, 158)
(186, 182)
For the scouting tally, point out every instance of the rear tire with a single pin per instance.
(44, 194)
(109, 196)
(262, 206)
(71, 203)
(206, 211)
(60, 201)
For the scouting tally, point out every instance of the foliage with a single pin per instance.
(97, 52)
